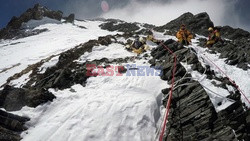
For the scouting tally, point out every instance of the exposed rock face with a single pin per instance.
(192, 115)
(13, 99)
(70, 18)
(195, 23)
(116, 25)
(37, 13)
(10, 126)
(61, 75)
(236, 51)
(234, 34)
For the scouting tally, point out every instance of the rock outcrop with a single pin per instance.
(70, 18)
(10, 126)
(117, 25)
(193, 116)
(13, 99)
(195, 23)
(236, 51)
(12, 30)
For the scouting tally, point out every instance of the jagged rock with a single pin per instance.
(37, 13)
(192, 115)
(195, 23)
(10, 126)
(70, 18)
(116, 25)
(13, 99)
(234, 34)
(236, 52)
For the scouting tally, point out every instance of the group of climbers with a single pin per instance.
(184, 37)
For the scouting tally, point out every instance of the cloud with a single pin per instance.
(159, 12)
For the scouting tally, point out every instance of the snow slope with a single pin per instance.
(16, 55)
(109, 108)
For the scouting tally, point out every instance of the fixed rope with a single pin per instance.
(236, 86)
(170, 95)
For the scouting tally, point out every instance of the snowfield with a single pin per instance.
(109, 108)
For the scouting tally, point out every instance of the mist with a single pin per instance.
(160, 12)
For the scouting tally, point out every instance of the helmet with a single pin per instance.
(210, 29)
(141, 39)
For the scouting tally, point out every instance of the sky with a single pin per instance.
(158, 12)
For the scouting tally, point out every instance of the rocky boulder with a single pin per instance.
(10, 126)
(70, 18)
(117, 25)
(195, 23)
(36, 13)
(13, 99)
(234, 34)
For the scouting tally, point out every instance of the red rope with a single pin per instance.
(170, 96)
(242, 93)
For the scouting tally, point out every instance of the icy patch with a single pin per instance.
(35, 23)
(112, 51)
(161, 36)
(18, 83)
(121, 39)
(52, 62)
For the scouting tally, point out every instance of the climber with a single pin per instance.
(138, 46)
(151, 38)
(214, 37)
(184, 36)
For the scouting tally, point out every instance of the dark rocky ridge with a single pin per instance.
(14, 27)
(121, 26)
(10, 126)
(195, 23)
(129, 29)
(236, 51)
(37, 13)
(192, 115)
(199, 24)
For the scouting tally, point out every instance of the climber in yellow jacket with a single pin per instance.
(184, 36)
(214, 37)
